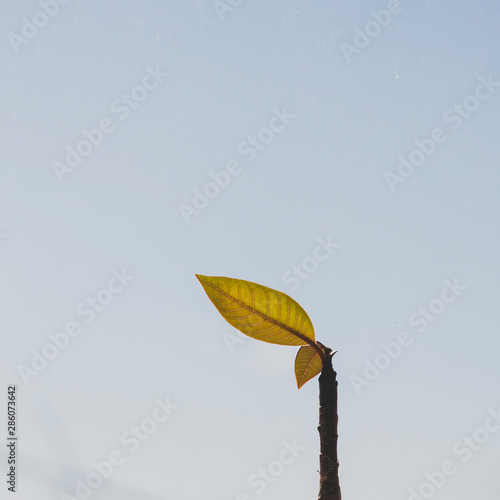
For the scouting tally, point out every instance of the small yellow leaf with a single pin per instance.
(259, 312)
(307, 365)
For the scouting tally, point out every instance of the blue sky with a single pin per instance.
(172, 94)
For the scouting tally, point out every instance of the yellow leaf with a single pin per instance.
(307, 365)
(260, 312)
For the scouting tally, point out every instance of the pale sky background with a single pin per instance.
(321, 176)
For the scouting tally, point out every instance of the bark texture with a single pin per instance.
(329, 486)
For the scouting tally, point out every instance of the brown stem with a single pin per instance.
(329, 486)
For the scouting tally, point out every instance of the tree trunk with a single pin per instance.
(329, 486)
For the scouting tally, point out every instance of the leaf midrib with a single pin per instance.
(263, 316)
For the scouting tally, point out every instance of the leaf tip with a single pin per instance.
(201, 278)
